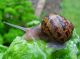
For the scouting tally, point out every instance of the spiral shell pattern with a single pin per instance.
(57, 28)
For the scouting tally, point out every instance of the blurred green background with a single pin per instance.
(18, 12)
(22, 13)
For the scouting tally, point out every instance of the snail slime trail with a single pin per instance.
(53, 28)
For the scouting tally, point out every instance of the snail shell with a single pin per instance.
(57, 28)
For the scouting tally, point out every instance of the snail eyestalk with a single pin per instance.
(16, 26)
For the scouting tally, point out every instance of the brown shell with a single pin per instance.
(57, 28)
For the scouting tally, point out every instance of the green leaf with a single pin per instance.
(1, 39)
(32, 23)
(12, 34)
(22, 49)
(37, 49)
(2, 50)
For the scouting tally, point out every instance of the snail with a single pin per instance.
(57, 28)
(53, 28)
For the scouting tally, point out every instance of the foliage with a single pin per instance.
(2, 50)
(22, 49)
(18, 12)
(37, 49)
(10, 35)
(1, 39)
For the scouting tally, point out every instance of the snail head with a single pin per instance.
(57, 28)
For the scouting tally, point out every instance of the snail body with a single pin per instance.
(52, 28)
